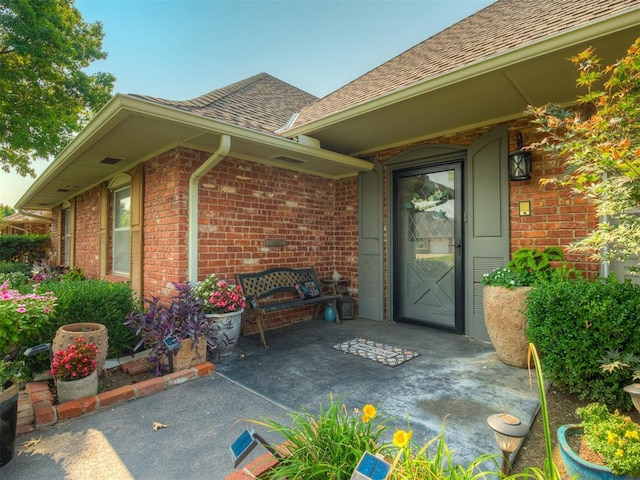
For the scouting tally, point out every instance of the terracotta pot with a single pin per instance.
(576, 465)
(506, 322)
(75, 389)
(8, 422)
(91, 332)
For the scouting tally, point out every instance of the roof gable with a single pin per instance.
(502, 26)
(262, 102)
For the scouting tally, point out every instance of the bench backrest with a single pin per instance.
(275, 280)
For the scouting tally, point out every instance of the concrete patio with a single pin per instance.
(454, 378)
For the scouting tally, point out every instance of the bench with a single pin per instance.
(263, 290)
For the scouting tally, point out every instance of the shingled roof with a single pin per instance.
(502, 26)
(261, 103)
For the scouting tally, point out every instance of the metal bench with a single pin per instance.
(275, 289)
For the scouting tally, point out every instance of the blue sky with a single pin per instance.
(179, 49)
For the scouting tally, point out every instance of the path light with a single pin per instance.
(634, 391)
(510, 433)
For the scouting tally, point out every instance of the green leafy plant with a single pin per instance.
(22, 317)
(10, 372)
(575, 322)
(16, 247)
(96, 301)
(527, 266)
(614, 360)
(599, 142)
(328, 444)
(614, 436)
(77, 361)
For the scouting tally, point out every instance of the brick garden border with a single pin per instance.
(45, 413)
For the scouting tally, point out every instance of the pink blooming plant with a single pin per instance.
(77, 361)
(219, 296)
(22, 317)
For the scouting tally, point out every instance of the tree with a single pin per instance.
(45, 96)
(5, 211)
(600, 142)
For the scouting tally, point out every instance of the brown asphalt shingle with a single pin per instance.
(261, 103)
(502, 26)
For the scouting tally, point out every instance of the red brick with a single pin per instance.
(111, 397)
(23, 429)
(136, 367)
(176, 378)
(43, 396)
(149, 387)
(89, 404)
(44, 414)
(206, 368)
(70, 409)
(35, 387)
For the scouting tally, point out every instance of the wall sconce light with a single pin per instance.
(510, 433)
(520, 163)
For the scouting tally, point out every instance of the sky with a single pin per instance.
(180, 49)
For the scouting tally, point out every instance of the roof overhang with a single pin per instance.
(130, 130)
(490, 91)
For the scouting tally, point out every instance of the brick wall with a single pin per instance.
(166, 180)
(87, 232)
(557, 218)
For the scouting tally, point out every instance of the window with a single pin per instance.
(66, 247)
(121, 231)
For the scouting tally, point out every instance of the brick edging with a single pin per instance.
(45, 413)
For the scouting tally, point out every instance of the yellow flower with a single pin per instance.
(369, 413)
(619, 453)
(611, 438)
(632, 434)
(401, 438)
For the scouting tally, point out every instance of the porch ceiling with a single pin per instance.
(488, 92)
(134, 130)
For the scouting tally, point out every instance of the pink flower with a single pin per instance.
(21, 310)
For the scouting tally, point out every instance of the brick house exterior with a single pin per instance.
(261, 160)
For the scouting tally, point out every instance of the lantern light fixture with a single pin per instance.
(520, 162)
(510, 433)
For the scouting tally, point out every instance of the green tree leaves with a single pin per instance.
(45, 96)
(600, 144)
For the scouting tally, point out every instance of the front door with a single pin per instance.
(428, 262)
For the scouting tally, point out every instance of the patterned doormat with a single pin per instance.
(376, 351)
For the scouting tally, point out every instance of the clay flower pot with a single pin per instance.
(92, 333)
(506, 322)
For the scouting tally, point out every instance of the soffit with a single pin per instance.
(487, 93)
(135, 130)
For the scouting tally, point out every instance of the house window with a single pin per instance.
(121, 231)
(66, 247)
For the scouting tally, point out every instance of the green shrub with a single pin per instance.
(17, 281)
(10, 267)
(574, 323)
(96, 301)
(16, 247)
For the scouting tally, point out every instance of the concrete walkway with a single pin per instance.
(454, 378)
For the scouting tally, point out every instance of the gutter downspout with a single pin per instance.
(194, 184)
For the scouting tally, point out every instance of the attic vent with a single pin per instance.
(294, 161)
(62, 190)
(110, 161)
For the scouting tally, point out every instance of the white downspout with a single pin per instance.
(194, 184)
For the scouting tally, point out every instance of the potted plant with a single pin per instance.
(613, 442)
(22, 317)
(9, 375)
(224, 303)
(504, 295)
(182, 323)
(75, 370)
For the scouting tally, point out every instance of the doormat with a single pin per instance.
(376, 351)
